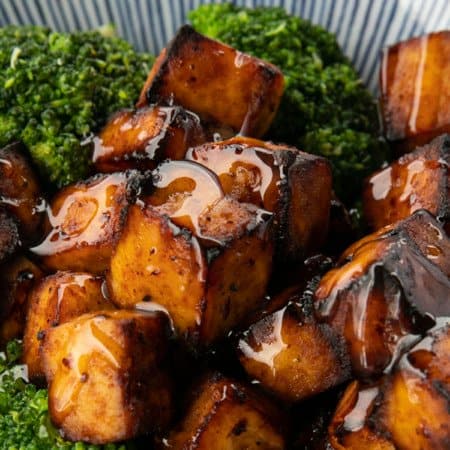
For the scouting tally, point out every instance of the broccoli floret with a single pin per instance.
(325, 108)
(56, 89)
(24, 419)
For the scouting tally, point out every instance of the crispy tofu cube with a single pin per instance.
(349, 428)
(294, 185)
(415, 89)
(20, 191)
(224, 414)
(386, 290)
(416, 403)
(107, 375)
(293, 356)
(57, 299)
(407, 409)
(139, 139)
(418, 180)
(207, 284)
(84, 221)
(217, 82)
(17, 277)
(9, 236)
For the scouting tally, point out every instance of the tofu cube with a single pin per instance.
(294, 185)
(215, 81)
(386, 291)
(139, 139)
(57, 299)
(418, 180)
(107, 375)
(208, 284)
(224, 414)
(84, 221)
(293, 356)
(415, 90)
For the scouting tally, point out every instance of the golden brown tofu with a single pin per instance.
(408, 409)
(209, 287)
(217, 82)
(56, 299)
(9, 236)
(386, 291)
(418, 180)
(20, 191)
(17, 277)
(416, 402)
(85, 219)
(294, 185)
(107, 375)
(349, 429)
(293, 356)
(139, 139)
(415, 89)
(224, 415)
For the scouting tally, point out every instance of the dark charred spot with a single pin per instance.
(40, 335)
(240, 427)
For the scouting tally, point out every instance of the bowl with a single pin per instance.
(362, 27)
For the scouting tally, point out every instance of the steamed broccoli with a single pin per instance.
(56, 88)
(24, 420)
(325, 108)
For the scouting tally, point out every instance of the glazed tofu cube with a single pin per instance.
(293, 356)
(294, 185)
(415, 409)
(407, 409)
(350, 429)
(386, 290)
(217, 82)
(207, 284)
(84, 221)
(20, 191)
(415, 89)
(107, 375)
(418, 180)
(139, 139)
(224, 414)
(57, 299)
(17, 277)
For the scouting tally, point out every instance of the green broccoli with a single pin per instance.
(56, 89)
(24, 420)
(325, 108)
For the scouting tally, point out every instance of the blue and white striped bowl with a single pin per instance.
(362, 27)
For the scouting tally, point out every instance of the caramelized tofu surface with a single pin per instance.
(206, 289)
(294, 185)
(418, 180)
(385, 293)
(215, 81)
(408, 409)
(223, 415)
(84, 221)
(107, 375)
(20, 191)
(57, 299)
(9, 236)
(416, 403)
(139, 139)
(350, 429)
(17, 277)
(415, 89)
(292, 355)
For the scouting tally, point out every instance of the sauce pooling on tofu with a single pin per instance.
(247, 171)
(81, 214)
(92, 340)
